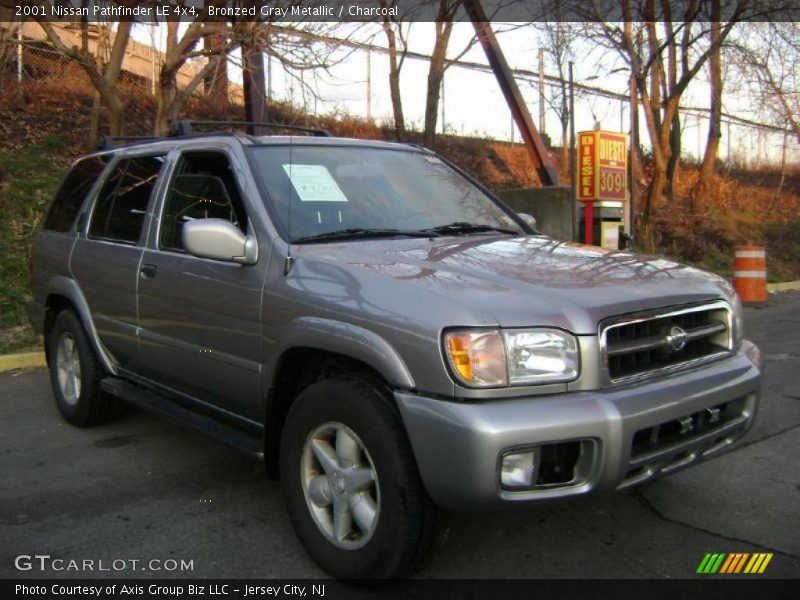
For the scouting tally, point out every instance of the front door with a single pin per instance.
(200, 318)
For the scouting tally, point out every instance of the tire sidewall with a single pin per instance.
(67, 322)
(333, 401)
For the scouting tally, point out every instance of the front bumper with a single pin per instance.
(458, 445)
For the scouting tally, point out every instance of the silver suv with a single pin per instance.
(381, 330)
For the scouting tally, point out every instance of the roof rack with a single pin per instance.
(180, 128)
(186, 128)
(106, 142)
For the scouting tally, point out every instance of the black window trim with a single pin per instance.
(176, 161)
(87, 221)
(88, 200)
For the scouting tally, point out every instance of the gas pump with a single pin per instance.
(602, 187)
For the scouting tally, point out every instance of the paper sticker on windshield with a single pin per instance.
(314, 183)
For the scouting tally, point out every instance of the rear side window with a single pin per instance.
(72, 193)
(122, 202)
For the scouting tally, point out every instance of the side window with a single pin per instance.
(122, 202)
(203, 187)
(72, 193)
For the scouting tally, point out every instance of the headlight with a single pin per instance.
(541, 356)
(513, 357)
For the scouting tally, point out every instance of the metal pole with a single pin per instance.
(572, 174)
(153, 59)
(699, 139)
(269, 77)
(19, 53)
(633, 162)
(758, 148)
(728, 127)
(369, 84)
(542, 161)
(303, 92)
(443, 102)
(541, 90)
(255, 105)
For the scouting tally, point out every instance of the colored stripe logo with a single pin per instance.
(734, 563)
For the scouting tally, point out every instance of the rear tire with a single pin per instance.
(75, 374)
(351, 483)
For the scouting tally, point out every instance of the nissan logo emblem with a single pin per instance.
(676, 338)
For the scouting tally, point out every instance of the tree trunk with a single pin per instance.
(654, 192)
(673, 165)
(94, 122)
(564, 117)
(636, 160)
(435, 76)
(167, 90)
(116, 117)
(215, 83)
(394, 82)
(705, 182)
(115, 104)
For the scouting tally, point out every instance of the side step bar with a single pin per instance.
(161, 405)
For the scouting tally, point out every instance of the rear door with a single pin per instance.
(200, 318)
(105, 259)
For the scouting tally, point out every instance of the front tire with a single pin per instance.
(351, 482)
(75, 374)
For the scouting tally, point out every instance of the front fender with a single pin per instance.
(349, 340)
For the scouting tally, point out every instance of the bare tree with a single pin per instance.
(706, 180)
(443, 27)
(674, 49)
(439, 62)
(178, 51)
(396, 31)
(558, 39)
(770, 59)
(306, 51)
(297, 47)
(103, 74)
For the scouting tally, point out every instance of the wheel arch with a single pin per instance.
(64, 292)
(316, 348)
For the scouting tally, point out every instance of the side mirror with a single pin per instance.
(219, 239)
(529, 220)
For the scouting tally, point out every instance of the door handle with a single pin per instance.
(148, 271)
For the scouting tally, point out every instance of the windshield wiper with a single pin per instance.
(462, 227)
(354, 233)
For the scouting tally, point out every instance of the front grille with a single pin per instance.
(645, 344)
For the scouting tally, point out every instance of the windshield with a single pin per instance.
(317, 190)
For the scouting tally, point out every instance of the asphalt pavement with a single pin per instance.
(152, 494)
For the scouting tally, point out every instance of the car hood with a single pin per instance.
(515, 282)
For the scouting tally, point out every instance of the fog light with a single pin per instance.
(519, 470)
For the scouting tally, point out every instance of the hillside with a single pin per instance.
(43, 127)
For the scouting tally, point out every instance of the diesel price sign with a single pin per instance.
(602, 165)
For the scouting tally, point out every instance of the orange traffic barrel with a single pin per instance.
(750, 273)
